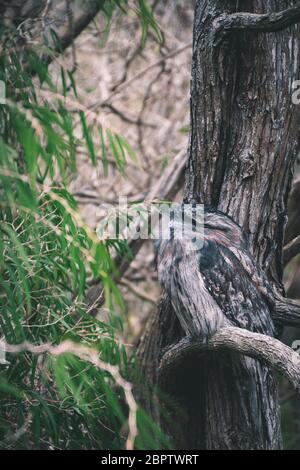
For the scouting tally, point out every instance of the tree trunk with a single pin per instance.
(243, 145)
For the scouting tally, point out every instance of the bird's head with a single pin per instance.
(222, 228)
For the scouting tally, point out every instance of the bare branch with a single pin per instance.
(128, 82)
(255, 345)
(263, 23)
(55, 15)
(287, 312)
(291, 250)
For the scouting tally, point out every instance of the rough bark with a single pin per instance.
(243, 145)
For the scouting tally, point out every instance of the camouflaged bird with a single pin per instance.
(218, 285)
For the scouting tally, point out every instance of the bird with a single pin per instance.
(216, 283)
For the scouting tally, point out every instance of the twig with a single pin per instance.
(287, 312)
(165, 188)
(128, 119)
(291, 250)
(124, 85)
(139, 292)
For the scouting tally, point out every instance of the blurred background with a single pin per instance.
(142, 93)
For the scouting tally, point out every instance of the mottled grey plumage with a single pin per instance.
(218, 285)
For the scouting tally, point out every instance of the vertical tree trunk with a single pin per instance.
(244, 141)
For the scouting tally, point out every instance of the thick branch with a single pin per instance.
(67, 19)
(291, 250)
(287, 312)
(255, 345)
(83, 13)
(263, 23)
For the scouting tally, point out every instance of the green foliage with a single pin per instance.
(47, 255)
(144, 12)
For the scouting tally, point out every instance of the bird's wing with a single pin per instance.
(232, 281)
(197, 311)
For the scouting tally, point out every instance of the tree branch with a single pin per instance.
(293, 226)
(139, 292)
(260, 23)
(291, 250)
(142, 72)
(55, 15)
(287, 312)
(255, 345)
